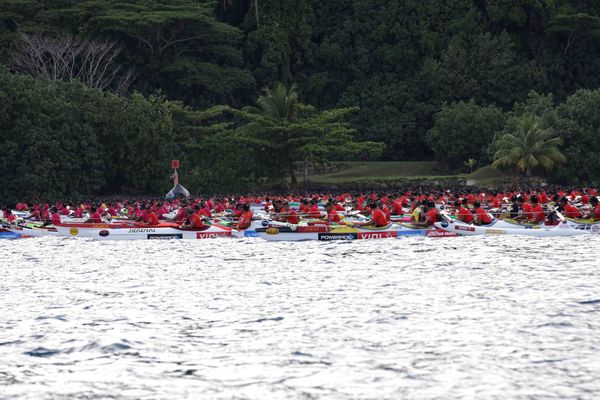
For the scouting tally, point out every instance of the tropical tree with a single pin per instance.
(470, 163)
(282, 131)
(462, 131)
(528, 145)
(278, 103)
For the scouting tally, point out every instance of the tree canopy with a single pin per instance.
(430, 80)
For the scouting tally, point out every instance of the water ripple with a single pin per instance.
(458, 318)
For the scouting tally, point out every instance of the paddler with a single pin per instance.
(537, 215)
(568, 210)
(246, 218)
(464, 214)
(150, 218)
(289, 214)
(431, 214)
(95, 218)
(314, 212)
(377, 217)
(195, 220)
(333, 217)
(594, 213)
(481, 215)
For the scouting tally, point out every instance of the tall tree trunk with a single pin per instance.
(305, 168)
(256, 13)
(293, 175)
(528, 172)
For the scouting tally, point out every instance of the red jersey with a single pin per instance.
(55, 218)
(431, 216)
(334, 217)
(397, 208)
(596, 214)
(245, 220)
(181, 214)
(482, 216)
(96, 218)
(537, 214)
(572, 211)
(292, 217)
(151, 218)
(196, 221)
(465, 215)
(528, 211)
(314, 212)
(378, 217)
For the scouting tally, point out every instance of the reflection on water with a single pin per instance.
(387, 319)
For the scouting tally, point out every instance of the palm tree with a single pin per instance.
(279, 103)
(529, 146)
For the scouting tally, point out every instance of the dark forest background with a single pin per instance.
(97, 96)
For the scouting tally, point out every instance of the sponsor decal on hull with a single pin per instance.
(9, 235)
(464, 228)
(208, 235)
(338, 236)
(251, 234)
(272, 231)
(494, 232)
(307, 229)
(142, 230)
(74, 231)
(591, 228)
(376, 235)
(165, 236)
(440, 233)
(412, 232)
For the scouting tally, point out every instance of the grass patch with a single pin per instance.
(401, 171)
(376, 171)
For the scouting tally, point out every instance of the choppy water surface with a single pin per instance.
(246, 319)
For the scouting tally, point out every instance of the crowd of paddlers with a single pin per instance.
(469, 205)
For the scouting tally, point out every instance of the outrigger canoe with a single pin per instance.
(324, 232)
(32, 230)
(564, 228)
(122, 231)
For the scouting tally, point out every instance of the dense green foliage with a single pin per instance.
(68, 139)
(462, 130)
(529, 145)
(430, 79)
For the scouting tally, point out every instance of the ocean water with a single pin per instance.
(415, 318)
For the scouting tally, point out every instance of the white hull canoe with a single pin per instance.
(32, 230)
(163, 231)
(333, 233)
(462, 229)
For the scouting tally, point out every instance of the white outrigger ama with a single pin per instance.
(566, 227)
